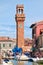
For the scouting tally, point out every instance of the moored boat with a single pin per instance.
(26, 58)
(21, 57)
(36, 59)
(7, 62)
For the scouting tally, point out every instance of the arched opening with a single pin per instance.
(41, 32)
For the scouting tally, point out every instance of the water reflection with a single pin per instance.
(34, 63)
(24, 63)
(20, 63)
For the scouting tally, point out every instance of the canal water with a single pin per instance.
(24, 63)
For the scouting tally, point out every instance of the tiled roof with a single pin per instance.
(40, 22)
(7, 39)
(28, 40)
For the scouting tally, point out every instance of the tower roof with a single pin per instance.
(20, 6)
(37, 23)
(20, 16)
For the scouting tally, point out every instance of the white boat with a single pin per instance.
(36, 59)
(8, 63)
(21, 57)
(24, 57)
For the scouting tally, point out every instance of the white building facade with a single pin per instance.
(7, 44)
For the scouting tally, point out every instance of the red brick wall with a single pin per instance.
(38, 29)
(20, 33)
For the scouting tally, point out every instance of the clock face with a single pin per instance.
(20, 25)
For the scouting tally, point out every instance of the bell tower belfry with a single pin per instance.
(20, 18)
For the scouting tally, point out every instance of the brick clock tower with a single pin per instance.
(20, 18)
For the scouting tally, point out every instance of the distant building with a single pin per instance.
(7, 43)
(28, 43)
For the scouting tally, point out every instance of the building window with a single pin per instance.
(3, 45)
(9, 45)
(33, 32)
(41, 32)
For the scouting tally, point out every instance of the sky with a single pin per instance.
(33, 10)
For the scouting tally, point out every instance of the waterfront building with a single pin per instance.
(7, 43)
(37, 32)
(37, 35)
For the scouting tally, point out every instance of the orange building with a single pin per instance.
(20, 18)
